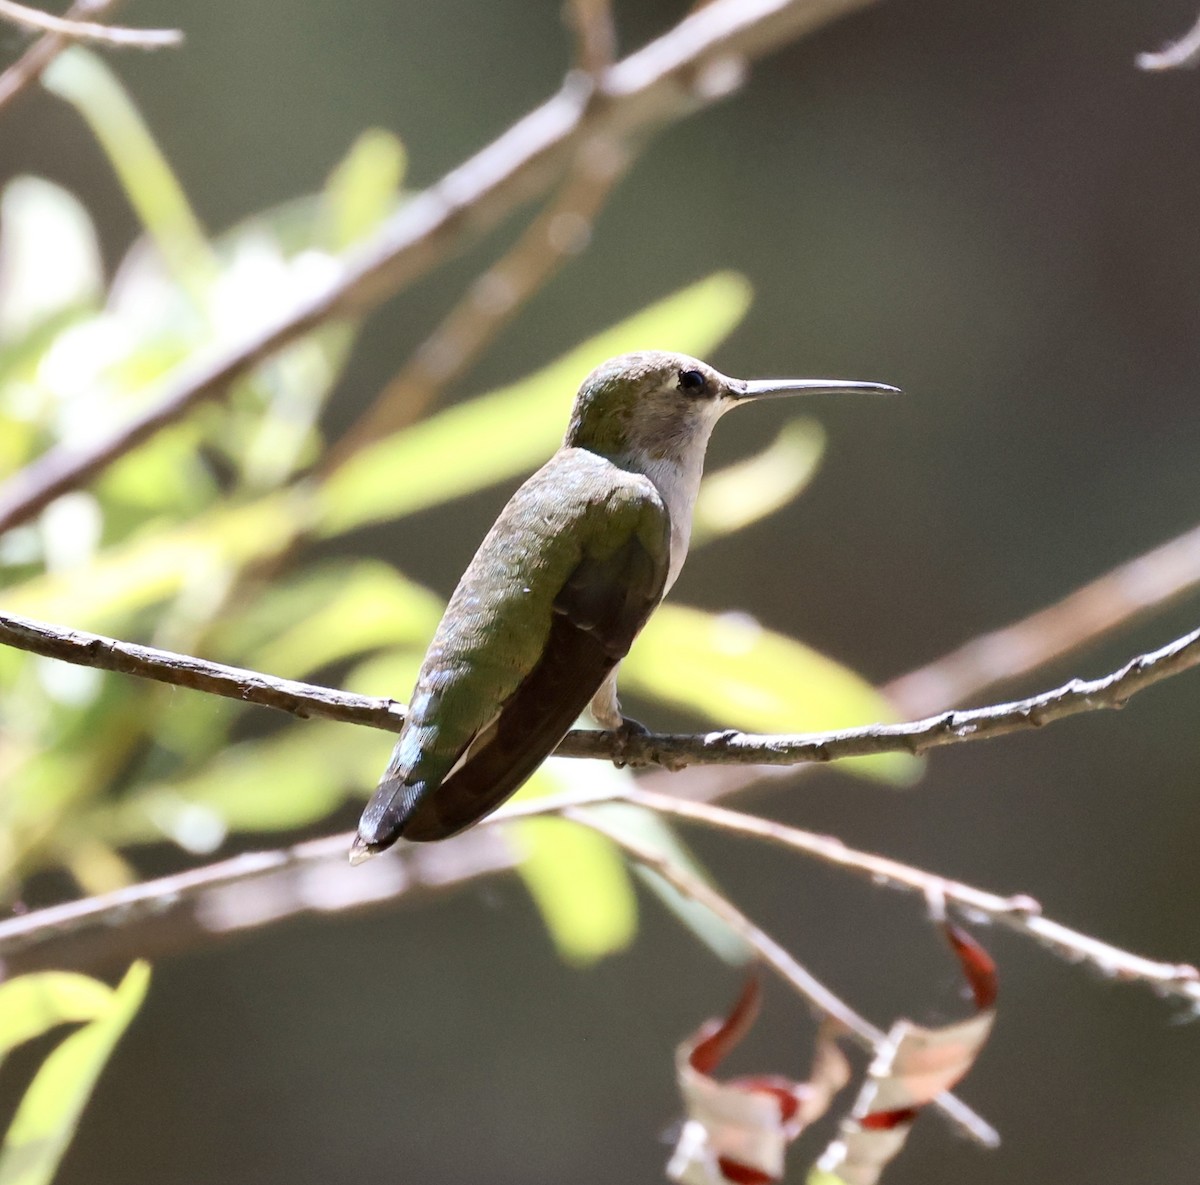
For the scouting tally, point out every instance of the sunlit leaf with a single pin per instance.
(359, 606)
(392, 673)
(583, 891)
(49, 1112)
(49, 258)
(742, 493)
(31, 1005)
(164, 475)
(362, 189)
(738, 674)
(289, 780)
(578, 879)
(496, 436)
(82, 79)
(126, 579)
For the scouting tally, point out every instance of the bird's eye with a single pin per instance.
(692, 382)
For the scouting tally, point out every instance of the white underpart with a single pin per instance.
(678, 487)
(677, 480)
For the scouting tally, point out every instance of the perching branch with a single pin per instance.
(678, 73)
(1129, 592)
(79, 30)
(672, 750)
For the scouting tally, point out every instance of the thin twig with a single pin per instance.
(672, 750)
(181, 670)
(793, 973)
(557, 234)
(1124, 594)
(1020, 913)
(28, 68)
(217, 901)
(595, 36)
(1184, 52)
(77, 30)
(668, 79)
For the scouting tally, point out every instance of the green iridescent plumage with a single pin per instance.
(556, 594)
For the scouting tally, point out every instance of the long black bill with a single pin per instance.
(769, 388)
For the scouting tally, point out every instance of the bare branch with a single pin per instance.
(219, 901)
(672, 750)
(791, 971)
(1125, 593)
(668, 79)
(77, 30)
(1184, 52)
(595, 35)
(1020, 913)
(28, 68)
(557, 234)
(181, 670)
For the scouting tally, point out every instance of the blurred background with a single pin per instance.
(985, 204)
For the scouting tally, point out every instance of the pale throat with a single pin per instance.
(677, 479)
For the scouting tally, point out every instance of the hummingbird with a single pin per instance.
(557, 592)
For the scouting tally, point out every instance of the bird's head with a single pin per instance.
(661, 407)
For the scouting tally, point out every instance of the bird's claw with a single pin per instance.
(622, 736)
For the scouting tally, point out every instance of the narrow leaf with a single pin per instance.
(749, 490)
(49, 1113)
(736, 673)
(578, 879)
(83, 80)
(31, 1005)
(496, 436)
(361, 190)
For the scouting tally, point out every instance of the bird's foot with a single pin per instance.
(628, 730)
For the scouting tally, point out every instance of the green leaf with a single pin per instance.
(295, 778)
(577, 879)
(580, 887)
(746, 491)
(82, 79)
(362, 189)
(738, 674)
(507, 432)
(154, 566)
(654, 831)
(49, 258)
(165, 475)
(392, 673)
(49, 1113)
(820, 1176)
(31, 1005)
(352, 607)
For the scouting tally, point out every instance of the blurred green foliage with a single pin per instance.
(33, 1005)
(193, 542)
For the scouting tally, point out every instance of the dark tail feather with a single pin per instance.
(383, 821)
